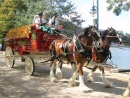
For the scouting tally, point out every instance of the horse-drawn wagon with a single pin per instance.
(28, 43)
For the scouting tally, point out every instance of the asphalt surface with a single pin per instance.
(16, 83)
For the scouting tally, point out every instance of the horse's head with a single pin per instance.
(112, 36)
(94, 33)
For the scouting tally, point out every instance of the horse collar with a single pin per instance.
(79, 46)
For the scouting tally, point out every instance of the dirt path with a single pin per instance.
(15, 83)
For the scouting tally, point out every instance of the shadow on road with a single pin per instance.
(16, 83)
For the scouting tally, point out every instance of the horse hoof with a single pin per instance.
(72, 83)
(90, 80)
(59, 75)
(86, 89)
(54, 80)
(108, 86)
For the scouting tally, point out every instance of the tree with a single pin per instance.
(33, 7)
(1, 1)
(65, 8)
(117, 6)
(8, 12)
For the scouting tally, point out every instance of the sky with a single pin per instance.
(106, 18)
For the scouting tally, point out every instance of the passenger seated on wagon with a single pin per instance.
(37, 16)
(41, 22)
(53, 23)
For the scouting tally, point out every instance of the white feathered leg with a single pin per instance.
(82, 85)
(58, 72)
(90, 77)
(106, 83)
(74, 68)
(73, 78)
(52, 74)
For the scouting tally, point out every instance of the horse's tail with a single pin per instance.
(52, 48)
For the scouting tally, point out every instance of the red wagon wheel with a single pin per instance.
(9, 57)
(29, 65)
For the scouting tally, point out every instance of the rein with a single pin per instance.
(109, 43)
(110, 36)
(103, 51)
(84, 44)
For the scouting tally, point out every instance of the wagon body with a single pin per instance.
(28, 43)
(28, 39)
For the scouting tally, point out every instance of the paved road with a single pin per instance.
(16, 83)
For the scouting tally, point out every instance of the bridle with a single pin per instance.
(111, 33)
(92, 32)
(95, 31)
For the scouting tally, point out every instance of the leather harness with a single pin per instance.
(79, 47)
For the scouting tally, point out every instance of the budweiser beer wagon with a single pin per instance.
(28, 43)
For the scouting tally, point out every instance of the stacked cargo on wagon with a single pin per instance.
(28, 43)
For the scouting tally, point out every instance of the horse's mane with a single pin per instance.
(84, 32)
(103, 34)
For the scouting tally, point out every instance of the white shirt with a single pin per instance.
(38, 20)
(35, 17)
(51, 21)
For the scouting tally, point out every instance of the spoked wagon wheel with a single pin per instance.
(29, 65)
(9, 57)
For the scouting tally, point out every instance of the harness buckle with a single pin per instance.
(81, 50)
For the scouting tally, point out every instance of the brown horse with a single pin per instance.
(75, 51)
(99, 58)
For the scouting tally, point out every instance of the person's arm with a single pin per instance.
(44, 22)
(37, 22)
(51, 22)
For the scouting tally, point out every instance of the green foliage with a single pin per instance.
(66, 8)
(33, 7)
(117, 6)
(8, 12)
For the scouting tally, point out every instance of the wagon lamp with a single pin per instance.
(95, 11)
